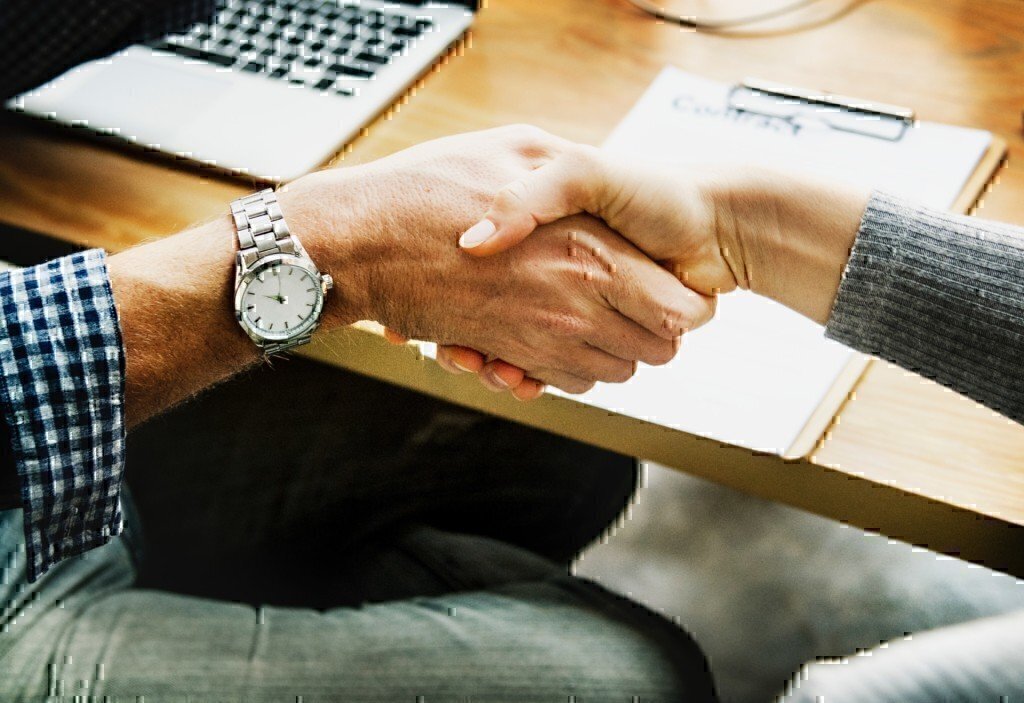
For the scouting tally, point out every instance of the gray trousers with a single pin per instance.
(974, 662)
(303, 535)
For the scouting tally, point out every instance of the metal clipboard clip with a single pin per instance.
(803, 108)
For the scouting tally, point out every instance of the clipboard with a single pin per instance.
(889, 122)
(976, 185)
(815, 432)
(362, 350)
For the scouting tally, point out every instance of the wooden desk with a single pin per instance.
(904, 457)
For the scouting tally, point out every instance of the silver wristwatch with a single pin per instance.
(279, 292)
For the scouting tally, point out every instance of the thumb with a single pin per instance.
(562, 187)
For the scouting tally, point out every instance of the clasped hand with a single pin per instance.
(573, 304)
(626, 208)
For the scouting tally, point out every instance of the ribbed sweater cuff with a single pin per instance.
(938, 294)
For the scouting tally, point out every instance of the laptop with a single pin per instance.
(267, 88)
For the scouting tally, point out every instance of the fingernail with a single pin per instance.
(477, 234)
(525, 400)
(446, 364)
(496, 379)
(460, 367)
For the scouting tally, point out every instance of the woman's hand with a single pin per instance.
(716, 229)
(666, 215)
(669, 214)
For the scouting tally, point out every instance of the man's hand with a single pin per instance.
(574, 305)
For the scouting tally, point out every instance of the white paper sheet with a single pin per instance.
(754, 375)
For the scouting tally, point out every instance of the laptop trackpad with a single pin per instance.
(137, 96)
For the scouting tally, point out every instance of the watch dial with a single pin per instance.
(281, 301)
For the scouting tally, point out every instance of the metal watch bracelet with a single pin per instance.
(261, 227)
(262, 231)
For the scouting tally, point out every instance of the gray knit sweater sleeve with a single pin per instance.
(940, 295)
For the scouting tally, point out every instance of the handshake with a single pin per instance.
(532, 260)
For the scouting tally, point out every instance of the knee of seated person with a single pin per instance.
(851, 680)
(814, 683)
(620, 650)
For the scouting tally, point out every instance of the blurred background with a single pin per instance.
(765, 588)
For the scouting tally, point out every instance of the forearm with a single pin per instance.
(173, 298)
(790, 236)
(385, 232)
(937, 294)
(941, 295)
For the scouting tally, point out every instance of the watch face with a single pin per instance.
(281, 301)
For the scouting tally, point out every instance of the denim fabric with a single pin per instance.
(439, 571)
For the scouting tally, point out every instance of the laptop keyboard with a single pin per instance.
(318, 44)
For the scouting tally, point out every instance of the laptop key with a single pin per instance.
(309, 42)
(372, 58)
(194, 53)
(406, 32)
(355, 71)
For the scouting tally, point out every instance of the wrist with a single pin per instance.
(173, 298)
(331, 215)
(788, 237)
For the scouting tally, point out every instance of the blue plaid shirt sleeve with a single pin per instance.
(62, 393)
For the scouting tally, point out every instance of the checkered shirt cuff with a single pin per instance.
(62, 392)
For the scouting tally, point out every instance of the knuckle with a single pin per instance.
(511, 196)
(573, 385)
(626, 287)
(682, 322)
(532, 142)
(622, 373)
(561, 324)
(660, 353)
(674, 322)
(584, 386)
(568, 383)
